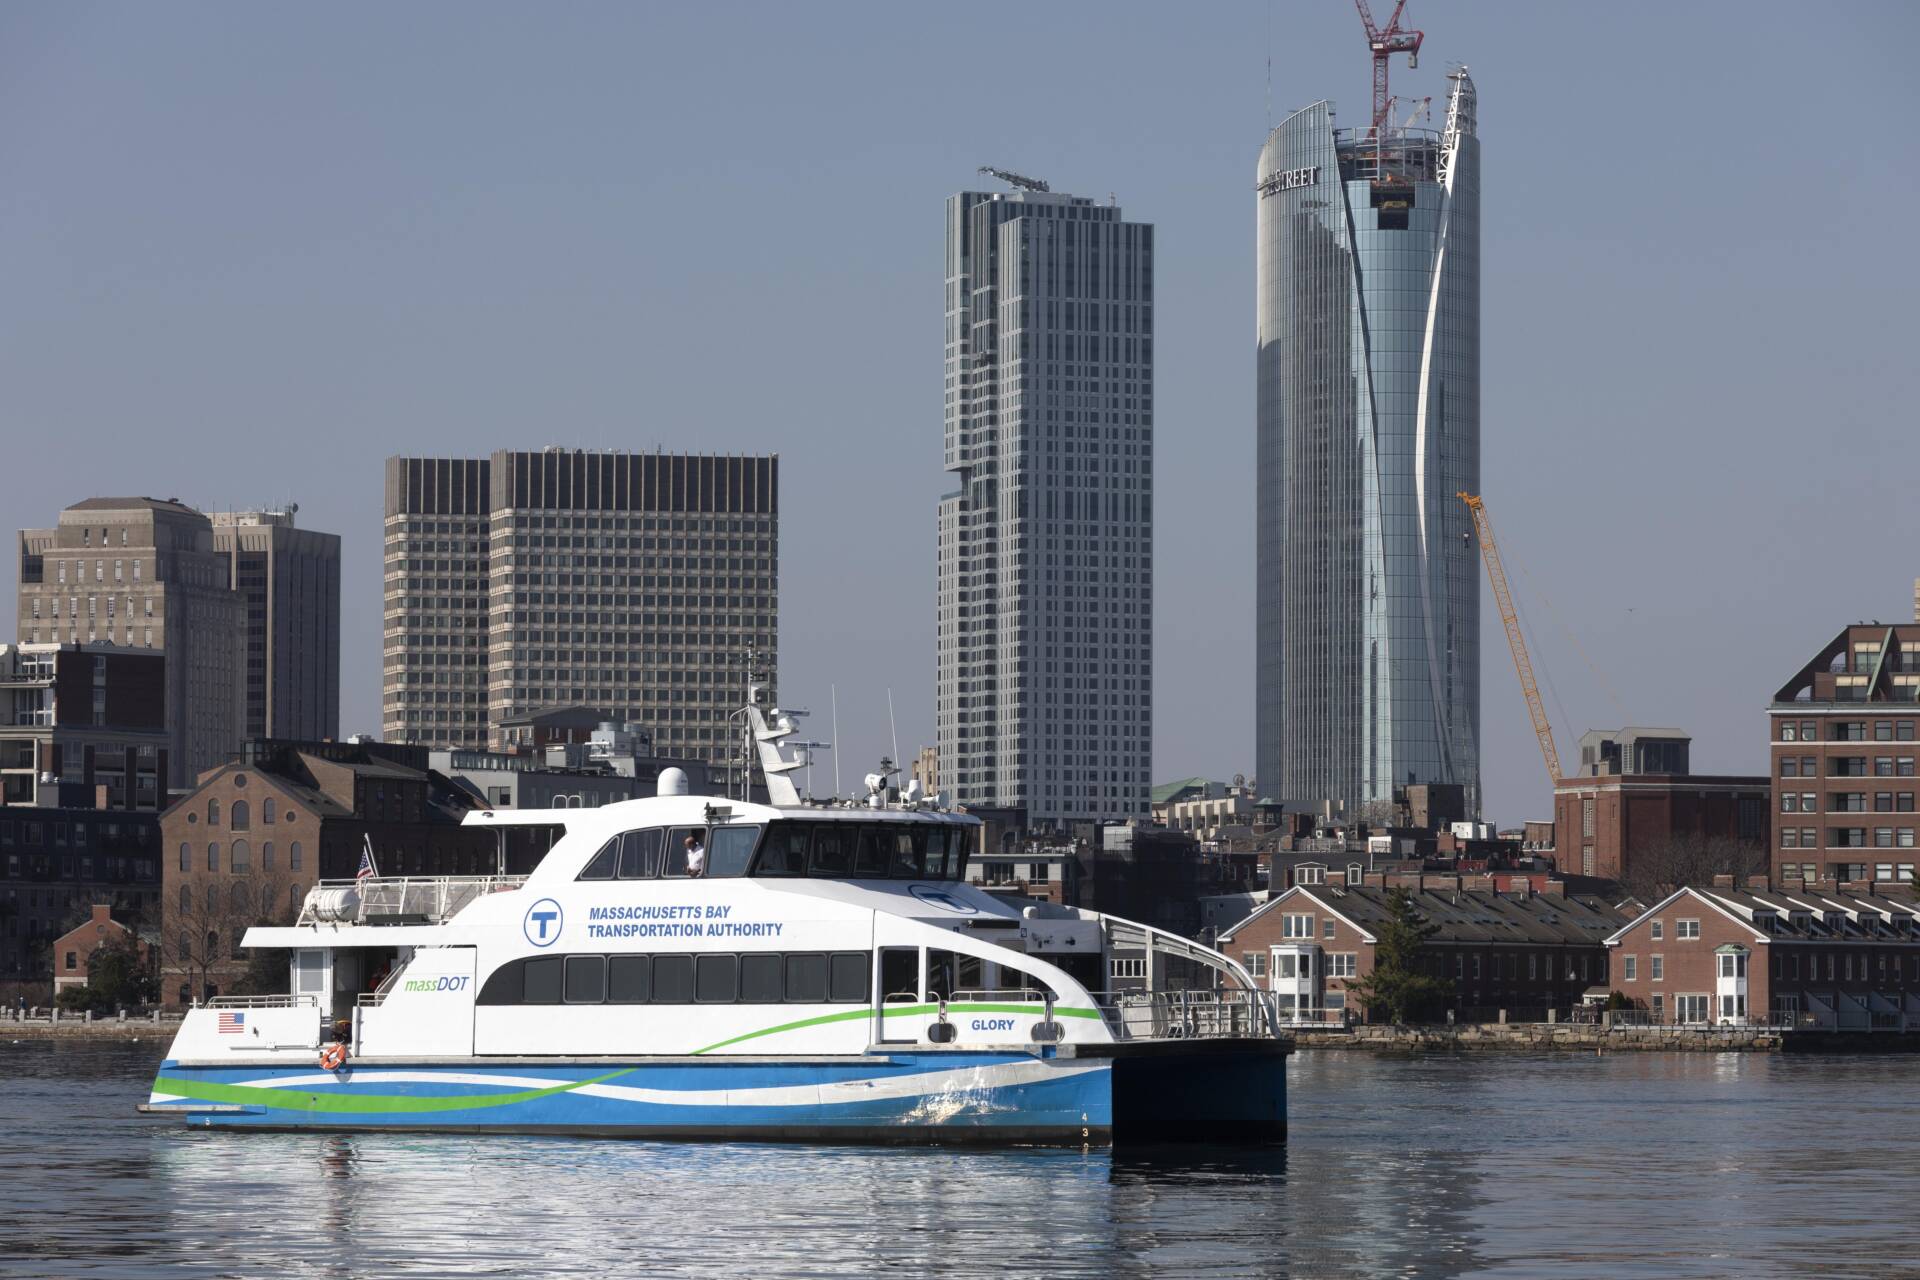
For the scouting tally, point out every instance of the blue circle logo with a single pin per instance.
(543, 923)
(942, 899)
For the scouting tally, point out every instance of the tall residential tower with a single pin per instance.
(1045, 622)
(1368, 649)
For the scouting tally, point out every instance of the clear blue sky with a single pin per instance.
(248, 251)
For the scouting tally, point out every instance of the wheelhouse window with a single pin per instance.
(631, 855)
(863, 851)
(730, 850)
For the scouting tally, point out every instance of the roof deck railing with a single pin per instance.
(398, 899)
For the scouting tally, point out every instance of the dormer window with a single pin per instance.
(1801, 920)
(1310, 873)
(1765, 921)
(1355, 873)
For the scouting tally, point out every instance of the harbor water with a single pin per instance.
(1638, 1164)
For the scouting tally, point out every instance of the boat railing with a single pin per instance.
(398, 899)
(262, 1002)
(1183, 1015)
(1222, 972)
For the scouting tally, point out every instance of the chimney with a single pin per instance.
(1723, 882)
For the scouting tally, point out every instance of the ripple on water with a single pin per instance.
(1680, 1165)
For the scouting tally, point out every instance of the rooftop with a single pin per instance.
(1466, 915)
(133, 504)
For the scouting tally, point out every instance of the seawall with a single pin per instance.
(1587, 1038)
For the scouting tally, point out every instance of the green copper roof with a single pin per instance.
(1165, 791)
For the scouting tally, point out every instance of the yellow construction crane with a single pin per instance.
(1498, 576)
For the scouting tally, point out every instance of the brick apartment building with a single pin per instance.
(1635, 792)
(1501, 950)
(1839, 957)
(1843, 750)
(245, 845)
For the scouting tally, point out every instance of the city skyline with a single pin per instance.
(383, 275)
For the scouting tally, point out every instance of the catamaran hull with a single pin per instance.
(909, 1098)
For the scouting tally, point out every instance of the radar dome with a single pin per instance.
(673, 782)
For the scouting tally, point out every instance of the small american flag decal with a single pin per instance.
(232, 1024)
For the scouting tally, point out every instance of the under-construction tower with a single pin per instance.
(1367, 587)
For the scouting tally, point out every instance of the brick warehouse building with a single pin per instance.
(1634, 792)
(1843, 753)
(254, 835)
(1839, 958)
(1518, 950)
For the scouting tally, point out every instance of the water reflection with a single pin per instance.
(1535, 1166)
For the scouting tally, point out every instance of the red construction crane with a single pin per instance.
(1385, 42)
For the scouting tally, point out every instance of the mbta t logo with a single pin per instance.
(543, 923)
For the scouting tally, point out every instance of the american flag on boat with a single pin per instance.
(366, 870)
(231, 1023)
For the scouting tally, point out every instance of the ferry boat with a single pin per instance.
(830, 975)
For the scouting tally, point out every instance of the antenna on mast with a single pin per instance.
(891, 731)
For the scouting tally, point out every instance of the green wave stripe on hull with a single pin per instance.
(893, 1011)
(301, 1100)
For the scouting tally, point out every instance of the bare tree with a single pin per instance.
(1651, 871)
(206, 919)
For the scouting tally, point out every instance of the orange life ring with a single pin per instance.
(334, 1056)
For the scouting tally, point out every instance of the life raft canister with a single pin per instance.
(334, 1056)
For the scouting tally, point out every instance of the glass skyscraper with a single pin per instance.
(1367, 593)
(1045, 623)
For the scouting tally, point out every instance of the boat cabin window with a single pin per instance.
(629, 979)
(865, 851)
(760, 978)
(755, 977)
(673, 979)
(543, 980)
(716, 979)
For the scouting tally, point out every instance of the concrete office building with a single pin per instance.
(144, 573)
(1044, 697)
(1367, 573)
(289, 583)
(633, 583)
